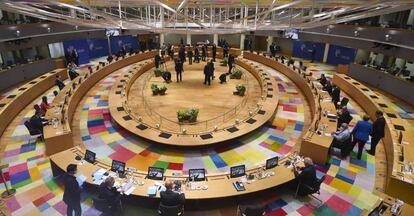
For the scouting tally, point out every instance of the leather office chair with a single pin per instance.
(176, 210)
(313, 190)
(34, 134)
(251, 210)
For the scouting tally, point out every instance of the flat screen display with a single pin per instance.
(155, 173)
(118, 166)
(237, 171)
(112, 32)
(90, 156)
(292, 34)
(272, 162)
(197, 174)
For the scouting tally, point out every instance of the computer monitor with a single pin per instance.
(272, 162)
(155, 173)
(90, 156)
(118, 166)
(237, 171)
(197, 174)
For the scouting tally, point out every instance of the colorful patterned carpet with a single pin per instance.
(346, 190)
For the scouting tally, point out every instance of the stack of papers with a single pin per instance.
(81, 179)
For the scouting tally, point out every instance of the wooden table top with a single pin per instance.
(11, 105)
(123, 117)
(219, 185)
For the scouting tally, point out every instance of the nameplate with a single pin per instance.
(206, 136)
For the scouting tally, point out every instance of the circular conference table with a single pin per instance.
(219, 185)
(122, 115)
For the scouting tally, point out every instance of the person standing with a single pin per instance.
(377, 131)
(203, 52)
(272, 48)
(196, 55)
(182, 41)
(171, 51)
(157, 60)
(225, 50)
(212, 69)
(207, 71)
(361, 133)
(214, 51)
(230, 62)
(190, 56)
(179, 70)
(71, 194)
(181, 54)
(313, 53)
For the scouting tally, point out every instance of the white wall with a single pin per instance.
(286, 45)
(361, 55)
(174, 38)
(56, 50)
(232, 39)
(202, 38)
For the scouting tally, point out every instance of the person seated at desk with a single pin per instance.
(336, 95)
(72, 71)
(328, 87)
(110, 195)
(322, 80)
(305, 176)
(59, 83)
(344, 116)
(170, 197)
(44, 106)
(37, 123)
(341, 139)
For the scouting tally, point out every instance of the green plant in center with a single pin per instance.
(188, 115)
(240, 90)
(224, 61)
(154, 88)
(236, 74)
(157, 72)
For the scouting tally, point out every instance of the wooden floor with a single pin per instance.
(216, 102)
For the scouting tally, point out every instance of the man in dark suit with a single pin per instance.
(322, 80)
(328, 88)
(305, 176)
(196, 55)
(208, 73)
(272, 48)
(230, 62)
(203, 52)
(37, 122)
(59, 82)
(344, 116)
(71, 195)
(112, 197)
(214, 51)
(170, 197)
(190, 56)
(179, 70)
(181, 54)
(377, 131)
(157, 60)
(336, 95)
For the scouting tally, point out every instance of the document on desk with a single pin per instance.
(129, 191)
(152, 190)
(81, 179)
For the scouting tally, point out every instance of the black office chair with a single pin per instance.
(101, 205)
(34, 134)
(313, 190)
(176, 210)
(251, 210)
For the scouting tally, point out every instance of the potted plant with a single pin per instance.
(236, 74)
(154, 89)
(182, 115)
(162, 90)
(224, 61)
(193, 113)
(240, 90)
(157, 72)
